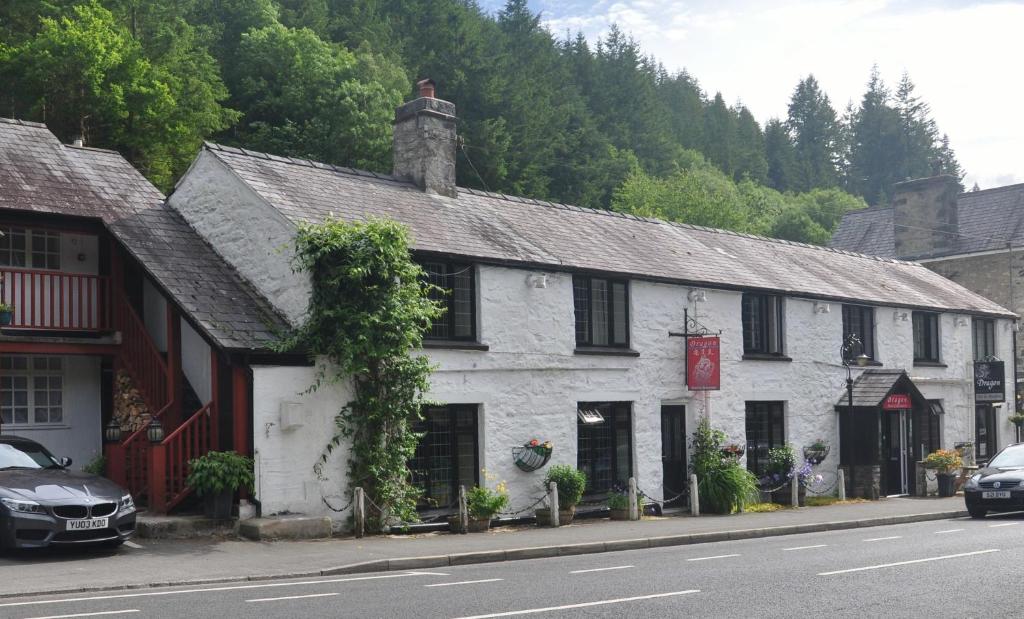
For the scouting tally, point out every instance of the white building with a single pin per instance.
(557, 309)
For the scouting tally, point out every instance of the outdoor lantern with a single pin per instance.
(862, 359)
(155, 431)
(112, 433)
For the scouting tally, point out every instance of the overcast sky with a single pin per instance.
(964, 56)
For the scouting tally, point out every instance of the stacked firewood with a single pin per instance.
(130, 409)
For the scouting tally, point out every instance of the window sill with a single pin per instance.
(29, 427)
(606, 350)
(870, 364)
(750, 356)
(929, 364)
(455, 345)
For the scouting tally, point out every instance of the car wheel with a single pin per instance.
(976, 512)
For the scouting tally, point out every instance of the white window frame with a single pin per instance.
(32, 236)
(44, 377)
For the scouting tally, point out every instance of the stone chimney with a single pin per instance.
(424, 142)
(924, 216)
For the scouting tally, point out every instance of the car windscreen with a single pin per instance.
(26, 457)
(1010, 457)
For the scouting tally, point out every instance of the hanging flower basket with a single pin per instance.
(532, 455)
(733, 450)
(816, 453)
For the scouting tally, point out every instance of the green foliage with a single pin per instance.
(5, 307)
(369, 308)
(571, 483)
(781, 460)
(482, 502)
(618, 500)
(218, 471)
(96, 466)
(723, 485)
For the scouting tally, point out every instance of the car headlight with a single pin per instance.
(127, 503)
(25, 507)
(973, 481)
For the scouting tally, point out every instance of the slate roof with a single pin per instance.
(495, 228)
(872, 387)
(40, 174)
(988, 219)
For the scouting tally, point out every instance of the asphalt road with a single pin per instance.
(956, 568)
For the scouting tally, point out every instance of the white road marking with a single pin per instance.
(213, 589)
(714, 557)
(948, 531)
(292, 597)
(132, 545)
(464, 582)
(1004, 524)
(601, 569)
(805, 547)
(533, 611)
(898, 563)
(879, 539)
(105, 612)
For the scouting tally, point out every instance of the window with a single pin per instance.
(457, 296)
(602, 311)
(984, 338)
(604, 449)
(859, 321)
(926, 337)
(37, 249)
(985, 444)
(446, 457)
(765, 431)
(762, 324)
(31, 390)
(925, 429)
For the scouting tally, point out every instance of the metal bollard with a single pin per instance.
(694, 499)
(463, 511)
(359, 512)
(841, 484)
(634, 511)
(553, 500)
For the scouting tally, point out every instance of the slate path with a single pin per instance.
(163, 562)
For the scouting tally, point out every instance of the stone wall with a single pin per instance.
(925, 216)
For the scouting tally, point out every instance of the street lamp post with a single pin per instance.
(846, 354)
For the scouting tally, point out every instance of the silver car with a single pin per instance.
(44, 503)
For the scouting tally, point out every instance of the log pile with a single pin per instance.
(130, 409)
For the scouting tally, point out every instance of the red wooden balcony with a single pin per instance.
(56, 300)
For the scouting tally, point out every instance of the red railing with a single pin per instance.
(56, 300)
(169, 460)
(128, 461)
(140, 357)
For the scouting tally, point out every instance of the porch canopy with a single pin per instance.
(872, 387)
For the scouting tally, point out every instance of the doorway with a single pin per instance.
(896, 439)
(984, 432)
(673, 454)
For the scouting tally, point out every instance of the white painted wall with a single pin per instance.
(195, 362)
(79, 253)
(80, 437)
(529, 381)
(154, 314)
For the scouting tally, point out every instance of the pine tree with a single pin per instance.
(780, 156)
(750, 155)
(815, 133)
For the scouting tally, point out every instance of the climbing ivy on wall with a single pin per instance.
(369, 309)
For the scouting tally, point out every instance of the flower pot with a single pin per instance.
(815, 455)
(218, 506)
(454, 525)
(5, 318)
(784, 496)
(619, 514)
(479, 525)
(565, 516)
(947, 486)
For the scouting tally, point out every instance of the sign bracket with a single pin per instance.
(695, 329)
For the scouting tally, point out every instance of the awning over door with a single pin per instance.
(872, 387)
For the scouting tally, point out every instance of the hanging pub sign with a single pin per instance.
(703, 370)
(989, 381)
(896, 402)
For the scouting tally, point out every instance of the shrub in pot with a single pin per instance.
(945, 462)
(6, 313)
(482, 503)
(723, 484)
(571, 483)
(618, 506)
(216, 476)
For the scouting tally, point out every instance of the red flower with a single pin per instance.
(534, 443)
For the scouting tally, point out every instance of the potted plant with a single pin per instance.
(216, 476)
(724, 485)
(618, 506)
(816, 452)
(733, 450)
(781, 469)
(944, 462)
(571, 483)
(6, 314)
(482, 503)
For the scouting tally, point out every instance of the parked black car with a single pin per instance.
(999, 487)
(43, 503)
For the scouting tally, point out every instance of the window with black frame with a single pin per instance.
(604, 448)
(602, 311)
(926, 337)
(763, 324)
(765, 425)
(455, 291)
(859, 321)
(984, 338)
(447, 455)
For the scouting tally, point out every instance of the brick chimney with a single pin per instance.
(424, 142)
(924, 216)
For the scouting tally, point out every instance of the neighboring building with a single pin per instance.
(975, 239)
(105, 281)
(558, 311)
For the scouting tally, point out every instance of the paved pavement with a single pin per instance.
(166, 562)
(953, 567)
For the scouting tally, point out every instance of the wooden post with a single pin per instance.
(553, 501)
(841, 484)
(359, 512)
(463, 511)
(794, 491)
(634, 512)
(157, 478)
(240, 415)
(694, 499)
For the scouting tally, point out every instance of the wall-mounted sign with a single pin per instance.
(989, 381)
(896, 402)
(703, 368)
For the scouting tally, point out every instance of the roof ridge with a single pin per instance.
(1017, 186)
(27, 123)
(308, 163)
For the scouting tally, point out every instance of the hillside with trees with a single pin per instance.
(600, 125)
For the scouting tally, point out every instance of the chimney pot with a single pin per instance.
(426, 88)
(79, 141)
